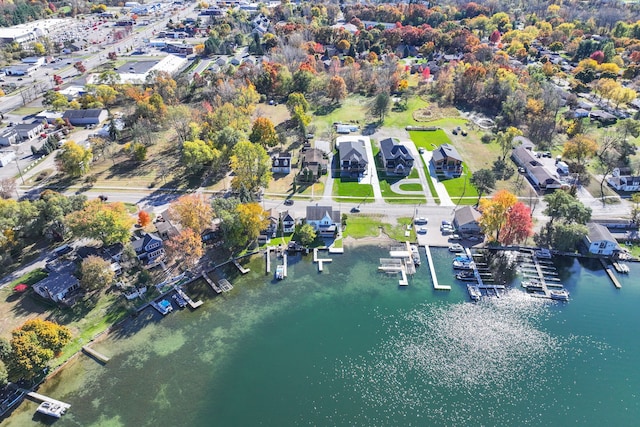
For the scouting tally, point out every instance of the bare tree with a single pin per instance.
(8, 187)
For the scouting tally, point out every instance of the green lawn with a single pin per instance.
(352, 189)
(429, 139)
(30, 278)
(27, 111)
(359, 226)
(352, 109)
(411, 186)
(397, 231)
(461, 187)
(414, 173)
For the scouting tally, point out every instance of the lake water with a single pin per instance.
(349, 347)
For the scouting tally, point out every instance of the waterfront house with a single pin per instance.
(92, 116)
(165, 227)
(281, 163)
(288, 222)
(447, 161)
(60, 284)
(600, 241)
(324, 219)
(466, 220)
(396, 158)
(602, 117)
(353, 157)
(149, 249)
(272, 228)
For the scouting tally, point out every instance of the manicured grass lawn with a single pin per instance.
(354, 108)
(461, 187)
(400, 199)
(27, 111)
(414, 173)
(427, 139)
(594, 189)
(359, 227)
(353, 190)
(411, 186)
(30, 278)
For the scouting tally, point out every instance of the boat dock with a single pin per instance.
(224, 285)
(189, 301)
(42, 398)
(432, 269)
(284, 263)
(320, 261)
(609, 272)
(241, 268)
(96, 355)
(543, 274)
(268, 255)
(394, 265)
(211, 283)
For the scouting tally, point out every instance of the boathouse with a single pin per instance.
(600, 241)
(466, 220)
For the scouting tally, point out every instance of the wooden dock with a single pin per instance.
(268, 254)
(241, 268)
(42, 398)
(320, 261)
(225, 285)
(189, 301)
(96, 355)
(284, 263)
(432, 269)
(211, 283)
(610, 273)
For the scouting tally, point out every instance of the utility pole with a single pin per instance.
(19, 170)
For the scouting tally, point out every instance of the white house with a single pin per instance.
(8, 136)
(281, 163)
(600, 241)
(324, 220)
(622, 181)
(6, 157)
(27, 131)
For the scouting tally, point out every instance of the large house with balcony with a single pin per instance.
(600, 241)
(149, 249)
(353, 157)
(324, 219)
(447, 161)
(396, 158)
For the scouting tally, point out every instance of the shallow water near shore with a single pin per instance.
(349, 347)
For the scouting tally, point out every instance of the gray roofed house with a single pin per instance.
(600, 241)
(288, 222)
(59, 284)
(281, 163)
(166, 227)
(92, 116)
(603, 117)
(466, 221)
(324, 219)
(396, 158)
(353, 158)
(28, 131)
(539, 175)
(314, 164)
(8, 136)
(447, 161)
(149, 249)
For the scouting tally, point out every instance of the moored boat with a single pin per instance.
(51, 409)
(463, 263)
(474, 292)
(179, 300)
(415, 255)
(560, 295)
(466, 276)
(543, 253)
(280, 272)
(456, 247)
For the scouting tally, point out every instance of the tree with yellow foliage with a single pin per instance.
(495, 213)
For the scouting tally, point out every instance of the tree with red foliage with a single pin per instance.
(495, 37)
(519, 225)
(598, 56)
(144, 219)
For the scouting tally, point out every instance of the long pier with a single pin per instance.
(241, 268)
(211, 283)
(189, 301)
(268, 254)
(95, 354)
(432, 269)
(284, 262)
(42, 398)
(224, 285)
(610, 273)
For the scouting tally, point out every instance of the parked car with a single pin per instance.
(61, 250)
(455, 237)
(422, 230)
(421, 220)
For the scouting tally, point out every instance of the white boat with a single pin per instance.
(179, 300)
(280, 272)
(415, 255)
(543, 254)
(456, 247)
(51, 409)
(463, 265)
(474, 292)
(467, 276)
(164, 306)
(560, 295)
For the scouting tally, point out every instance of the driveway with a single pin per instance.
(371, 172)
(395, 187)
(443, 194)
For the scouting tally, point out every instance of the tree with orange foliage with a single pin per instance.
(336, 89)
(495, 212)
(185, 247)
(144, 219)
(192, 211)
